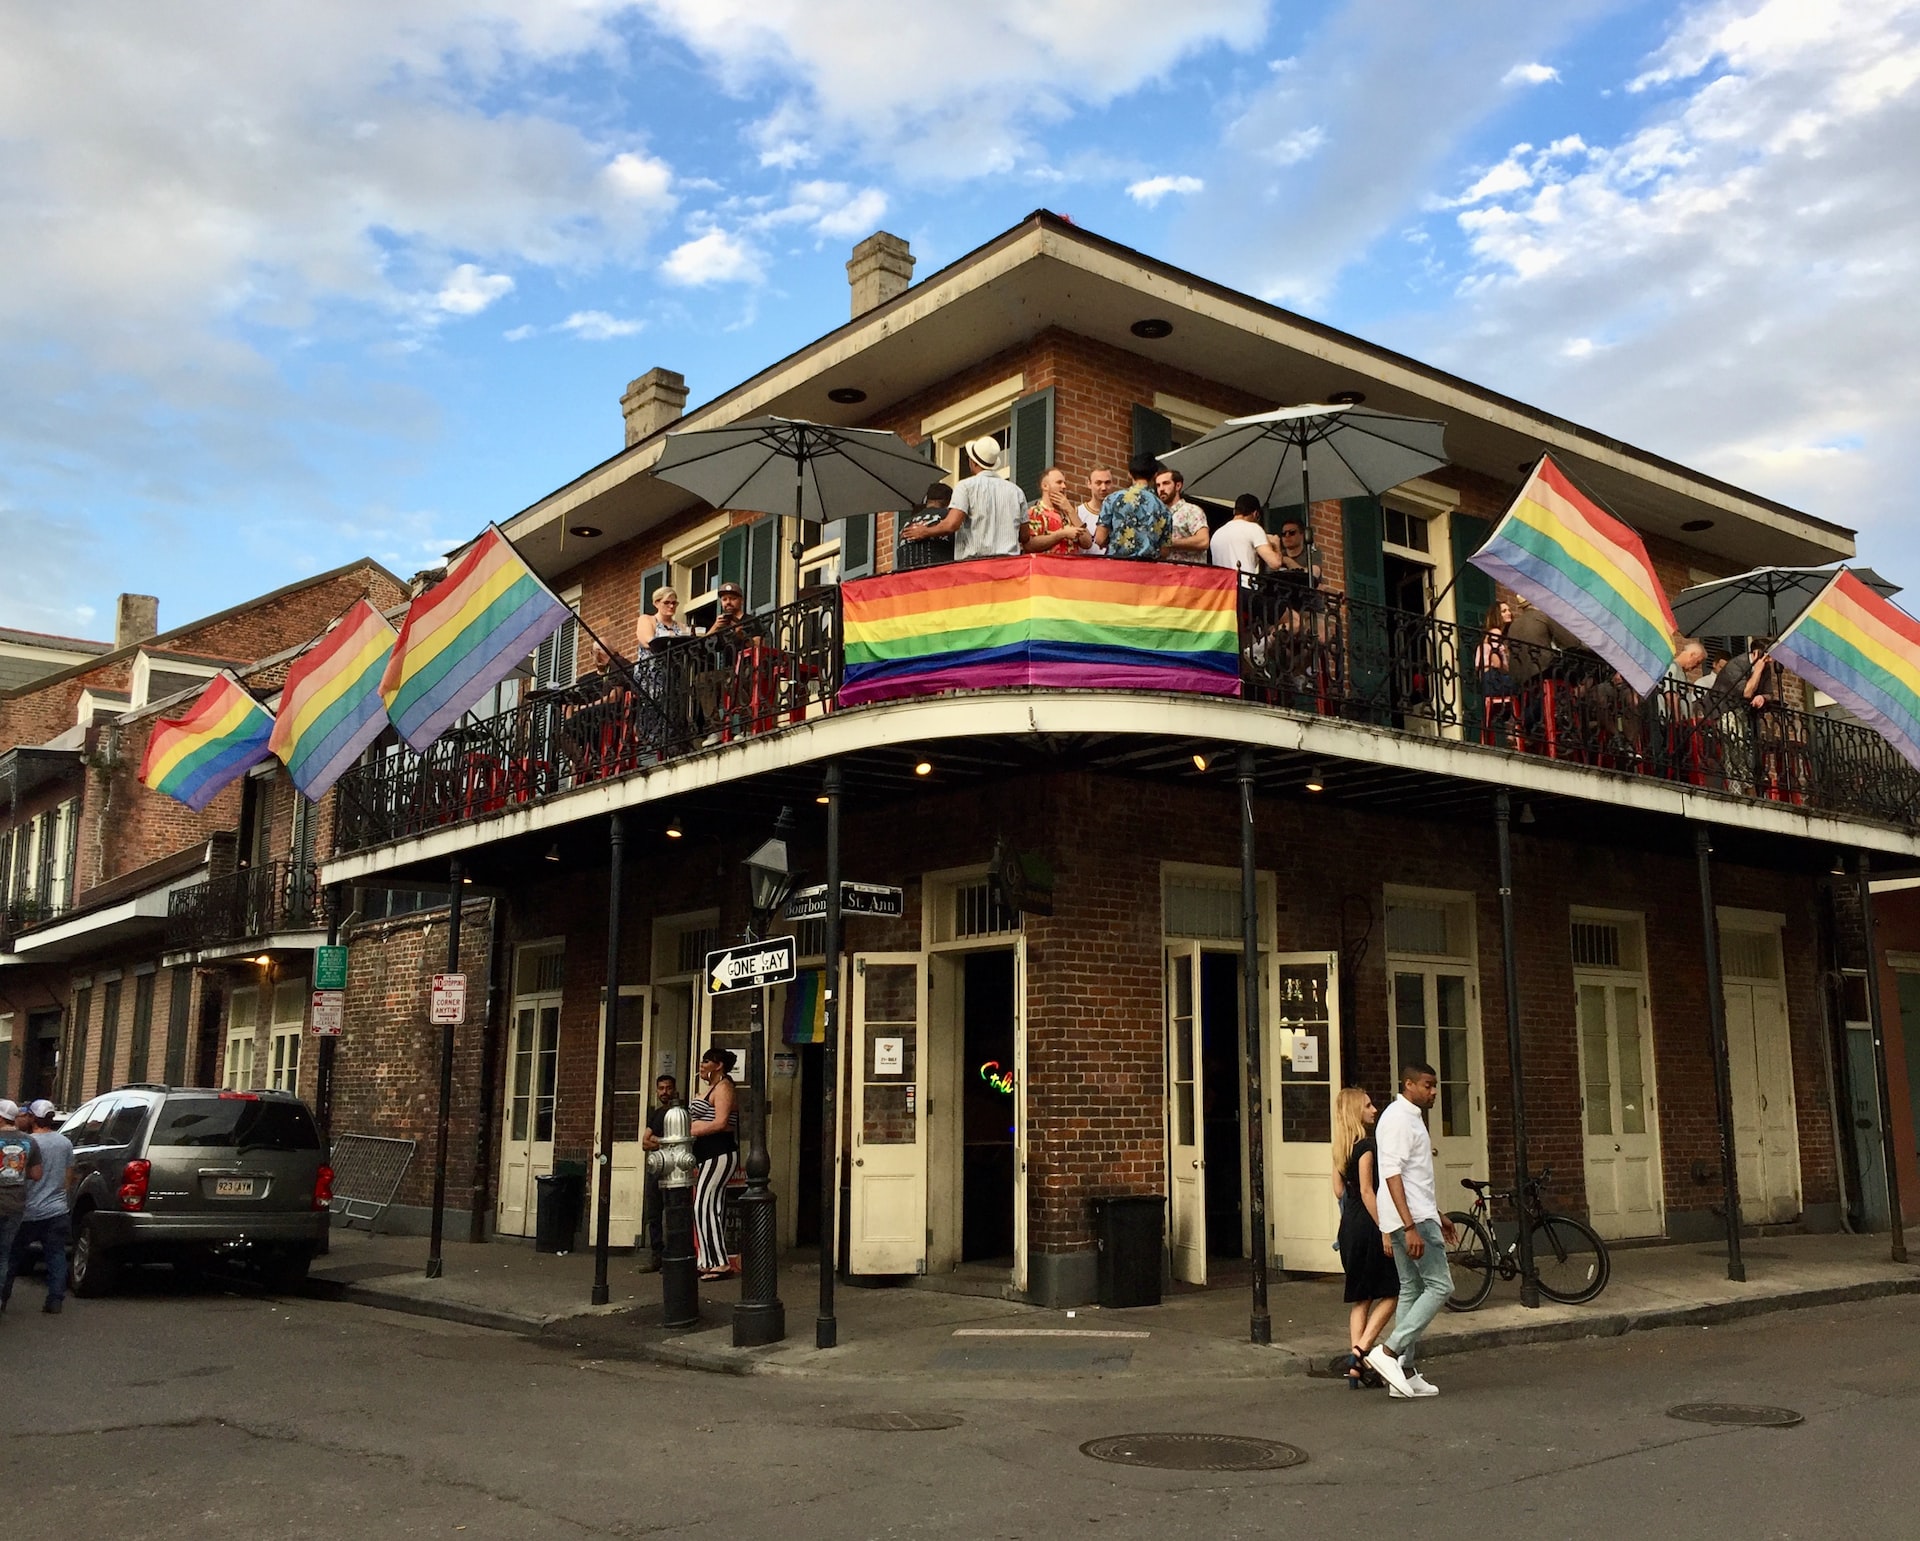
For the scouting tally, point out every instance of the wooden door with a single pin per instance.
(1186, 1151)
(1436, 1022)
(1622, 1142)
(888, 1216)
(632, 1096)
(1301, 1076)
(526, 1140)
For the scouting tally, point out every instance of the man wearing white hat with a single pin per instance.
(19, 1167)
(987, 509)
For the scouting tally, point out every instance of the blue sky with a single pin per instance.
(289, 284)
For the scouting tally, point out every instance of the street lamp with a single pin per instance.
(760, 1318)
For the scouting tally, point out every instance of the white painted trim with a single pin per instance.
(1187, 414)
(676, 551)
(1903, 962)
(982, 403)
(1424, 497)
(1733, 919)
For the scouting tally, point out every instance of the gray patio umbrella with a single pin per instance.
(1764, 602)
(1297, 453)
(782, 465)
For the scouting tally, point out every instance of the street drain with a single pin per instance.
(895, 1422)
(1194, 1452)
(1737, 1415)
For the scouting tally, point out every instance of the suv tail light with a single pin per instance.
(322, 1188)
(133, 1184)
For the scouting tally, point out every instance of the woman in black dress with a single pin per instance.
(1373, 1280)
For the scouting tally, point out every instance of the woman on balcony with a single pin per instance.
(1052, 526)
(1495, 667)
(664, 623)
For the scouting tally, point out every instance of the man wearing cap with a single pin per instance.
(19, 1166)
(45, 1218)
(987, 510)
(732, 618)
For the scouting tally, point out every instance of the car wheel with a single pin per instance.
(287, 1271)
(93, 1267)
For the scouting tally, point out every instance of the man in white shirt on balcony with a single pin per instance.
(1243, 541)
(986, 513)
(1410, 1217)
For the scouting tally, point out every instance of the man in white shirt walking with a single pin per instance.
(1410, 1215)
(986, 513)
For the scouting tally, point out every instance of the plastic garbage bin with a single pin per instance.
(1129, 1228)
(559, 1198)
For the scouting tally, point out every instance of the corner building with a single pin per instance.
(1057, 1015)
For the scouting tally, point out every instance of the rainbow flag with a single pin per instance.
(330, 706)
(192, 758)
(1017, 621)
(465, 635)
(1864, 651)
(1567, 556)
(806, 1015)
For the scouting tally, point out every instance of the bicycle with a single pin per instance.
(1570, 1261)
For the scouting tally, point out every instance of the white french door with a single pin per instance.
(632, 1095)
(1436, 1021)
(1186, 1131)
(1620, 1125)
(1302, 1078)
(526, 1138)
(1766, 1134)
(887, 1220)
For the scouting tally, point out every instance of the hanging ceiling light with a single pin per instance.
(1315, 782)
(674, 831)
(1199, 762)
(923, 768)
(553, 851)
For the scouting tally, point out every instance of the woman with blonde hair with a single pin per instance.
(1373, 1280)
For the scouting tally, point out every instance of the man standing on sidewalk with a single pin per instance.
(45, 1218)
(19, 1166)
(666, 1094)
(1410, 1215)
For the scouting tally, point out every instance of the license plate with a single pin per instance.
(233, 1187)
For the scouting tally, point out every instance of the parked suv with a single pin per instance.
(180, 1174)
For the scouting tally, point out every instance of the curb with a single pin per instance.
(440, 1310)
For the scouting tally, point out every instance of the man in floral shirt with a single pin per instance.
(1190, 537)
(1133, 522)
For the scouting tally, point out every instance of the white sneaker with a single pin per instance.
(1388, 1368)
(1420, 1386)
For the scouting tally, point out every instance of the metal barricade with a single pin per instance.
(367, 1169)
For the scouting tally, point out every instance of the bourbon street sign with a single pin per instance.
(750, 965)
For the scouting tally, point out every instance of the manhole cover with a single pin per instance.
(1737, 1415)
(1194, 1452)
(894, 1422)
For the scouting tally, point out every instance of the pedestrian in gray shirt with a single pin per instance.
(19, 1167)
(45, 1217)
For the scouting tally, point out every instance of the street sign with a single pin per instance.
(329, 968)
(750, 965)
(329, 1012)
(449, 1000)
(855, 899)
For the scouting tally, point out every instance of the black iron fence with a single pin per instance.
(252, 902)
(1301, 650)
(19, 914)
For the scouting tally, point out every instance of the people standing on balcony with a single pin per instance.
(1191, 537)
(716, 1153)
(1243, 541)
(1533, 637)
(1133, 522)
(1295, 557)
(1052, 528)
(663, 624)
(987, 509)
(1099, 486)
(730, 618)
(1494, 665)
(1373, 1282)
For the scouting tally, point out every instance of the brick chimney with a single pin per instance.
(137, 619)
(657, 398)
(882, 267)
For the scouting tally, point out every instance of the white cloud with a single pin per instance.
(468, 291)
(1153, 189)
(1529, 75)
(827, 209)
(598, 326)
(1302, 144)
(718, 257)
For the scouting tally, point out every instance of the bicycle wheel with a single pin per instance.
(1570, 1261)
(1471, 1259)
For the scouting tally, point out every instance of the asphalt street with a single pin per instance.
(208, 1413)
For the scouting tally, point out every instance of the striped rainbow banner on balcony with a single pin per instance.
(465, 635)
(1864, 651)
(1566, 555)
(191, 758)
(330, 706)
(1018, 621)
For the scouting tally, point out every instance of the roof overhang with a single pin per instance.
(110, 925)
(26, 770)
(1045, 274)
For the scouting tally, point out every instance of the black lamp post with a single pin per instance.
(760, 1318)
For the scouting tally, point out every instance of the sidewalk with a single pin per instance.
(906, 1333)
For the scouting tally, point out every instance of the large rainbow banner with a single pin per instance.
(1864, 652)
(192, 758)
(330, 706)
(465, 635)
(1052, 621)
(1569, 557)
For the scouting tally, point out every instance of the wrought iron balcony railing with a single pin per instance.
(1301, 650)
(242, 906)
(21, 914)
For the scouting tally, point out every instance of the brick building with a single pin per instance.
(139, 940)
(1056, 1016)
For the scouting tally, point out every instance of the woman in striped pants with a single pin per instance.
(716, 1149)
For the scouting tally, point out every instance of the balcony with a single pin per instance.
(1302, 653)
(246, 906)
(22, 914)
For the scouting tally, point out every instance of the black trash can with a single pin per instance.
(1129, 1227)
(559, 1199)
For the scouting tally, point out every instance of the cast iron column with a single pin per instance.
(323, 1085)
(1503, 839)
(826, 1329)
(1261, 1327)
(1889, 1146)
(759, 1318)
(454, 876)
(1722, 1070)
(609, 1046)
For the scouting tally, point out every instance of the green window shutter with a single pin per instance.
(1031, 449)
(1369, 648)
(658, 577)
(1152, 433)
(763, 564)
(733, 556)
(179, 996)
(1472, 589)
(856, 546)
(1364, 533)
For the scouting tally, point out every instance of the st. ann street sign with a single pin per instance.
(750, 965)
(855, 899)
